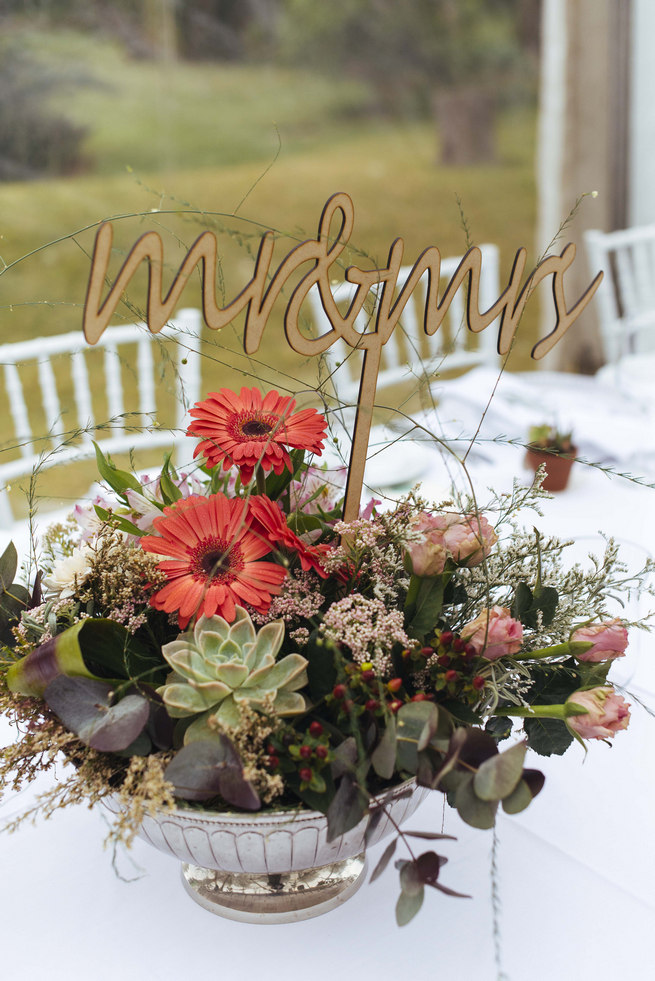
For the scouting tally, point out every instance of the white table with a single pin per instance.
(575, 872)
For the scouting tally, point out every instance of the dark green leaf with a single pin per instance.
(500, 728)
(85, 707)
(387, 855)
(547, 737)
(8, 566)
(321, 672)
(118, 480)
(528, 605)
(424, 615)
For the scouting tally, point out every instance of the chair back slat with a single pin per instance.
(625, 300)
(18, 409)
(50, 399)
(114, 387)
(112, 382)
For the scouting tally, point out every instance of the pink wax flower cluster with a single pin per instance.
(467, 540)
(609, 640)
(607, 713)
(494, 633)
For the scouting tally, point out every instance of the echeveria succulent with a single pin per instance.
(218, 665)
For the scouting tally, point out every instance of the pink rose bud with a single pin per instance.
(494, 633)
(470, 540)
(606, 714)
(610, 640)
(465, 540)
(429, 554)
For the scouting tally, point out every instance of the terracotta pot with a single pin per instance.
(558, 466)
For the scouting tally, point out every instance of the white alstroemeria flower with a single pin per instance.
(69, 573)
(144, 509)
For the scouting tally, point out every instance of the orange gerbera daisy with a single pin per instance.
(213, 559)
(276, 530)
(246, 430)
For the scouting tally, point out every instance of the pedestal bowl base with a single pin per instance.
(275, 898)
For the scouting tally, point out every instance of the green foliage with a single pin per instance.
(203, 770)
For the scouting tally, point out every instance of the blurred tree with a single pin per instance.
(451, 57)
(33, 140)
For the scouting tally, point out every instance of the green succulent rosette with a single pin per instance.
(217, 666)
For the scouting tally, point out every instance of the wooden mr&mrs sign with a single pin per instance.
(260, 294)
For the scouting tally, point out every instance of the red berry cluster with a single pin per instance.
(307, 753)
(363, 691)
(453, 667)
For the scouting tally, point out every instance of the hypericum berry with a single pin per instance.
(420, 696)
(348, 705)
(372, 705)
(449, 676)
(321, 751)
(446, 638)
(478, 682)
(305, 752)
(470, 651)
(305, 774)
(270, 749)
(368, 675)
(339, 691)
(273, 761)
(427, 651)
(443, 661)
(458, 645)
(395, 705)
(316, 729)
(394, 684)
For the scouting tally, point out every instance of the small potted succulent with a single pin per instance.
(547, 445)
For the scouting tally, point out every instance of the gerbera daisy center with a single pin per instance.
(213, 559)
(253, 426)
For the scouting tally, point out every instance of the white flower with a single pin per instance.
(69, 573)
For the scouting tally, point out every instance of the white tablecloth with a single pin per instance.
(575, 872)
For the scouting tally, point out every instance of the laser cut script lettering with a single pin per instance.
(258, 299)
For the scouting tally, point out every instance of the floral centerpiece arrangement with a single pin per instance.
(223, 640)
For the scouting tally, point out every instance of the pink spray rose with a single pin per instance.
(466, 540)
(469, 540)
(610, 640)
(494, 633)
(606, 714)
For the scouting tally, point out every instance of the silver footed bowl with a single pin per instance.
(272, 866)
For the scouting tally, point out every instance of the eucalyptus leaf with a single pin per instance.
(387, 855)
(349, 805)
(202, 770)
(498, 776)
(383, 757)
(85, 707)
(408, 906)
(478, 813)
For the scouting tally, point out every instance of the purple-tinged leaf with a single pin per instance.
(349, 805)
(427, 867)
(387, 855)
(85, 707)
(205, 769)
(430, 835)
(449, 892)
(374, 819)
